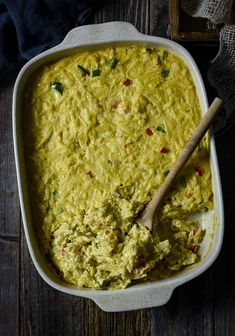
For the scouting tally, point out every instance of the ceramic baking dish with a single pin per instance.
(144, 295)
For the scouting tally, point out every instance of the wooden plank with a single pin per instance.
(224, 284)
(158, 18)
(130, 323)
(148, 16)
(9, 287)
(192, 309)
(45, 311)
(9, 222)
(189, 312)
(184, 27)
(9, 205)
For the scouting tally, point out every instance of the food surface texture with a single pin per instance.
(102, 129)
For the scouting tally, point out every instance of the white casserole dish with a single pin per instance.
(155, 293)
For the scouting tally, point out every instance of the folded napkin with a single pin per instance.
(221, 73)
(27, 27)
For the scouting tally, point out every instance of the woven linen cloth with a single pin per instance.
(218, 11)
(221, 73)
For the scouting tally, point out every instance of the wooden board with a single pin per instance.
(29, 307)
(183, 27)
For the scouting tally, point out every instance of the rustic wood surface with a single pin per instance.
(28, 306)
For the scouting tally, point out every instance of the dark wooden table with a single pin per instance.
(28, 306)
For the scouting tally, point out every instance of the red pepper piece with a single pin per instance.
(194, 248)
(116, 104)
(164, 150)
(127, 82)
(200, 170)
(90, 174)
(211, 197)
(149, 131)
(142, 264)
(189, 194)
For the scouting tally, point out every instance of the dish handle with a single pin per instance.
(98, 33)
(134, 298)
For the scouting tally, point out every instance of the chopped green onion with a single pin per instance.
(150, 50)
(58, 87)
(162, 57)
(165, 55)
(200, 146)
(165, 73)
(161, 128)
(55, 193)
(183, 181)
(166, 172)
(96, 73)
(83, 70)
(104, 284)
(113, 63)
(110, 162)
(159, 60)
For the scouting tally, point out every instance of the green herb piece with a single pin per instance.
(55, 193)
(150, 50)
(58, 87)
(104, 284)
(165, 73)
(113, 63)
(110, 162)
(159, 60)
(183, 181)
(83, 70)
(61, 211)
(166, 172)
(161, 128)
(200, 146)
(165, 55)
(162, 57)
(96, 73)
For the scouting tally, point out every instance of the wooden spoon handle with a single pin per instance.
(149, 212)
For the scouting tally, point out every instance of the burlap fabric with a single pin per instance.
(217, 11)
(221, 73)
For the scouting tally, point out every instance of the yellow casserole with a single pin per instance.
(102, 130)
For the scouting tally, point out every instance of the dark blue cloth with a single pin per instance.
(27, 27)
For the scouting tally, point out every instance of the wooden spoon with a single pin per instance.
(147, 216)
